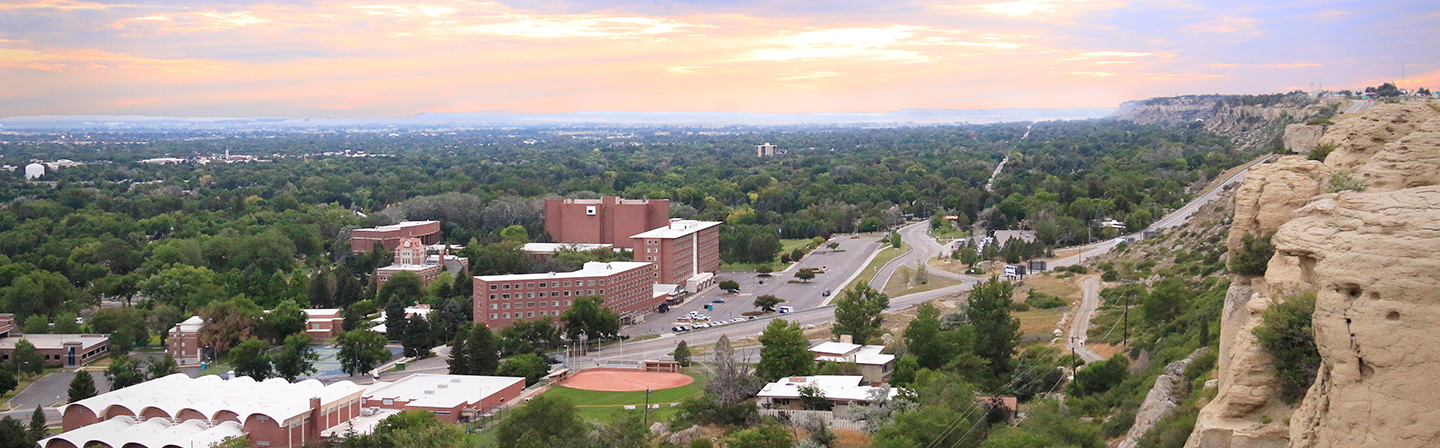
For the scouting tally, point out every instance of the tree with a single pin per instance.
(768, 435)
(404, 287)
(459, 361)
(40, 292)
(1254, 255)
(813, 398)
(418, 338)
(1287, 333)
(228, 322)
(410, 429)
(932, 347)
(547, 420)
(285, 319)
(186, 287)
(857, 312)
(528, 336)
(996, 332)
(764, 270)
(730, 286)
(360, 351)
(515, 234)
(318, 289)
(767, 303)
(590, 317)
(14, 435)
(37, 425)
(483, 358)
(805, 275)
(731, 381)
(250, 359)
(161, 319)
(27, 360)
(530, 366)
(124, 372)
(36, 324)
(1098, 377)
(296, 358)
(682, 353)
(395, 320)
(786, 352)
(625, 430)
(164, 367)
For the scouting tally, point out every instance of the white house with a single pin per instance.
(875, 367)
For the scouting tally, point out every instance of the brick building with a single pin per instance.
(59, 350)
(608, 220)
(413, 255)
(363, 240)
(451, 398)
(184, 341)
(688, 252)
(272, 413)
(323, 323)
(627, 287)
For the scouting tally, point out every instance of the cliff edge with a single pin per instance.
(1362, 231)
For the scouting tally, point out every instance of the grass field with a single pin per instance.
(868, 274)
(599, 406)
(786, 246)
(898, 286)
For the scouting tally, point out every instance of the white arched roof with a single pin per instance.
(153, 433)
(274, 398)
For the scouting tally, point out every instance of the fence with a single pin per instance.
(797, 419)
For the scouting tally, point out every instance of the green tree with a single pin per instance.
(124, 372)
(1098, 377)
(682, 353)
(767, 435)
(227, 322)
(360, 351)
(418, 338)
(590, 317)
(186, 287)
(932, 347)
(14, 435)
(996, 332)
(163, 367)
(285, 319)
(36, 324)
(857, 312)
(906, 366)
(26, 360)
(161, 319)
(730, 286)
(250, 359)
(515, 234)
(547, 420)
(785, 352)
(40, 292)
(1287, 333)
(403, 287)
(805, 275)
(483, 356)
(1254, 255)
(459, 361)
(626, 429)
(767, 303)
(296, 358)
(529, 366)
(82, 386)
(1166, 302)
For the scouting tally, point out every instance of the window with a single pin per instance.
(507, 306)
(602, 291)
(529, 295)
(567, 283)
(590, 292)
(529, 304)
(542, 284)
(542, 294)
(567, 293)
(567, 303)
(602, 282)
(493, 316)
(506, 296)
(493, 287)
(532, 314)
(590, 210)
(590, 283)
(529, 285)
(517, 286)
(494, 306)
(506, 286)
(492, 297)
(505, 315)
(557, 303)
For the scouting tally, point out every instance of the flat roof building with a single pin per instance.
(273, 413)
(323, 323)
(608, 220)
(363, 240)
(687, 252)
(451, 398)
(840, 390)
(183, 344)
(875, 367)
(626, 286)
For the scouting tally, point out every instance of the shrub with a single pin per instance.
(1043, 301)
(1287, 334)
(1201, 365)
(1110, 276)
(1341, 180)
(1322, 151)
(1254, 255)
(1119, 424)
(1319, 121)
(1078, 269)
(1019, 306)
(1100, 376)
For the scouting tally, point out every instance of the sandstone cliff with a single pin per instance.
(1255, 121)
(1373, 259)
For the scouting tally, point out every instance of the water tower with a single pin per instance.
(34, 171)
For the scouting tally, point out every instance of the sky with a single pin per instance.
(378, 58)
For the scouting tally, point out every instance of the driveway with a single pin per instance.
(1081, 326)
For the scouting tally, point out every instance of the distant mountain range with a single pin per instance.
(443, 120)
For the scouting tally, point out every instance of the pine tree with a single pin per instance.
(459, 361)
(484, 360)
(319, 289)
(37, 425)
(996, 332)
(682, 354)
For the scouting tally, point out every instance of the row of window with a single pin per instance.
(519, 315)
(506, 305)
(531, 285)
(542, 294)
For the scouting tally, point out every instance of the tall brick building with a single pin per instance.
(688, 252)
(627, 287)
(608, 220)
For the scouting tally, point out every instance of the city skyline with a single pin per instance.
(363, 59)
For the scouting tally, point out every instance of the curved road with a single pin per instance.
(922, 248)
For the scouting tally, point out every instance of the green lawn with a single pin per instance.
(590, 398)
(886, 254)
(786, 246)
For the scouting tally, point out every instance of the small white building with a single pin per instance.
(34, 171)
(875, 367)
(840, 390)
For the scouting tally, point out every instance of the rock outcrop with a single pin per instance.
(1161, 399)
(1302, 138)
(1372, 256)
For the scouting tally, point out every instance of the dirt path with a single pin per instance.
(1081, 325)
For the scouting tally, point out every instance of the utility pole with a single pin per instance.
(1125, 327)
(646, 420)
(1073, 369)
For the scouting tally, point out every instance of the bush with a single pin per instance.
(1322, 151)
(1043, 301)
(1201, 365)
(1287, 334)
(1098, 377)
(1078, 269)
(1254, 255)
(1019, 306)
(1110, 276)
(1119, 424)
(1343, 181)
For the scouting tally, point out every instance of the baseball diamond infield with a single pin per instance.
(624, 380)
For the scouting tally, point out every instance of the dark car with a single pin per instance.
(718, 301)
(825, 294)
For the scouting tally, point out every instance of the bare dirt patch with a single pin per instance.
(625, 380)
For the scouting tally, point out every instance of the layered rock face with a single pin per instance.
(1301, 138)
(1373, 259)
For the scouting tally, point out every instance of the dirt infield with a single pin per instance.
(624, 380)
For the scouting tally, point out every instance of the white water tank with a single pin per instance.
(34, 171)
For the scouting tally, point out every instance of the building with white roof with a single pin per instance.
(126, 431)
(58, 350)
(273, 412)
(323, 323)
(363, 240)
(451, 398)
(626, 287)
(840, 390)
(875, 367)
(183, 344)
(687, 251)
(542, 250)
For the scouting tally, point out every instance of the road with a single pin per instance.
(1359, 106)
(1081, 325)
(922, 249)
(852, 256)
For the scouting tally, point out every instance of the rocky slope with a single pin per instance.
(1372, 255)
(1255, 121)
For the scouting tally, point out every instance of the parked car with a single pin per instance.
(825, 294)
(718, 301)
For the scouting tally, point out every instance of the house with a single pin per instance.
(177, 410)
(452, 398)
(363, 240)
(783, 396)
(626, 286)
(184, 341)
(1113, 224)
(875, 367)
